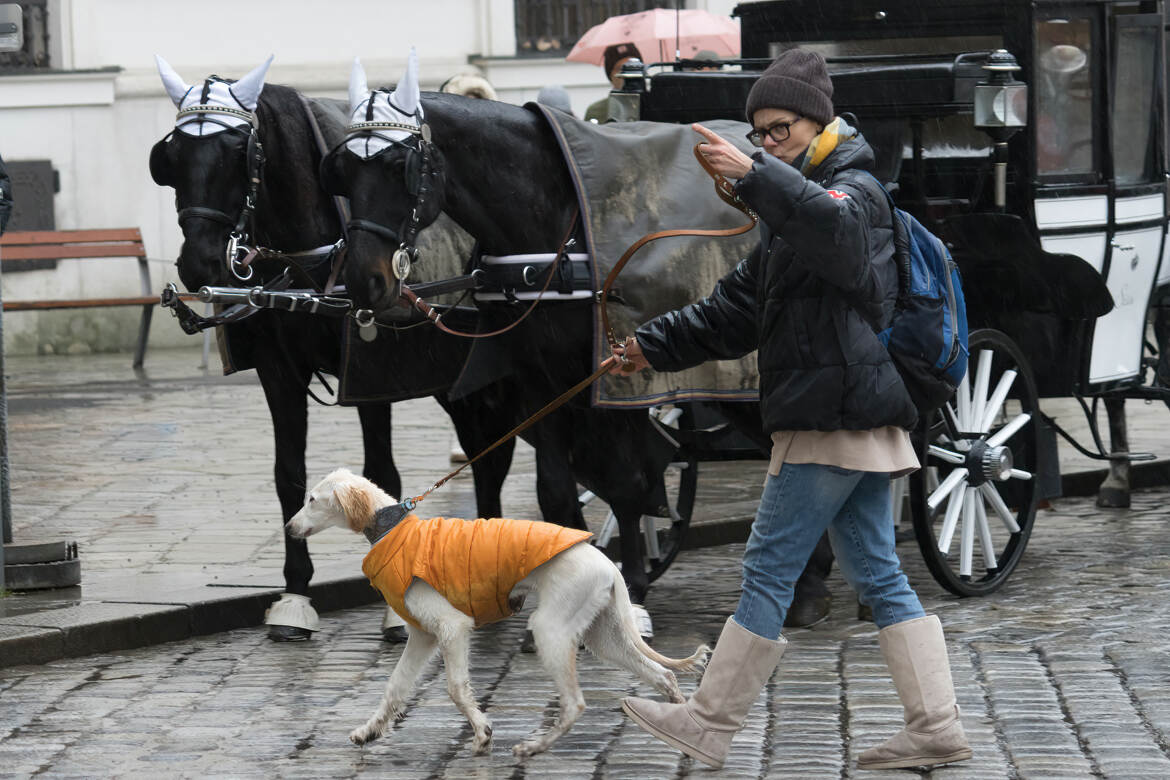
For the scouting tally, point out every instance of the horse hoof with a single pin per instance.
(394, 635)
(529, 643)
(289, 634)
(1113, 498)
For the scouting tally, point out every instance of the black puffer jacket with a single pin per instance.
(825, 254)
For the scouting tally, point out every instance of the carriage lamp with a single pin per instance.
(625, 104)
(1001, 109)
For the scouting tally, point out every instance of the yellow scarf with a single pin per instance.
(834, 133)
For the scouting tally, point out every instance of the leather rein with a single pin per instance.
(726, 191)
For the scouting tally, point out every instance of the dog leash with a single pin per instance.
(726, 191)
(410, 503)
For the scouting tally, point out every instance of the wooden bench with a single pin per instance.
(26, 248)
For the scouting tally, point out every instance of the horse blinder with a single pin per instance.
(333, 173)
(160, 163)
(431, 183)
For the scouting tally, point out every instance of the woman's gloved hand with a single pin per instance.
(630, 357)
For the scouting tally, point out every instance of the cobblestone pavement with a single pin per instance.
(1064, 673)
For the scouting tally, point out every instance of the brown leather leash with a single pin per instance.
(726, 191)
(605, 366)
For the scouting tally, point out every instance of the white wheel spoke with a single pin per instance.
(898, 497)
(997, 398)
(996, 501)
(982, 381)
(967, 539)
(608, 529)
(963, 397)
(947, 455)
(985, 534)
(948, 527)
(948, 484)
(951, 408)
(1009, 430)
(650, 532)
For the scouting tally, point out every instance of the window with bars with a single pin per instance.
(551, 27)
(34, 55)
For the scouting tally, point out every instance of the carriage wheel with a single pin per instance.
(974, 500)
(664, 542)
(665, 528)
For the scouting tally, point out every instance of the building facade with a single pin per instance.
(82, 104)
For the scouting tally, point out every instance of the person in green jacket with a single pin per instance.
(614, 58)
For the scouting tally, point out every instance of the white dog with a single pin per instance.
(582, 598)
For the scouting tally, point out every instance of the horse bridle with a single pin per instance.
(421, 174)
(238, 253)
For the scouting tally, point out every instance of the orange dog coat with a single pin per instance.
(474, 564)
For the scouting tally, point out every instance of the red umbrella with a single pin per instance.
(658, 33)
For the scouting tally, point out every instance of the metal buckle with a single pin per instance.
(232, 256)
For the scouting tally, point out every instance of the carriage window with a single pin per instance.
(1064, 97)
(1133, 104)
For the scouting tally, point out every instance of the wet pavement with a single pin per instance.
(165, 482)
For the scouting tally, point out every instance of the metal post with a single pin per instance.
(5, 502)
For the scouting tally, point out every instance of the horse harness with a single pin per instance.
(296, 267)
(726, 192)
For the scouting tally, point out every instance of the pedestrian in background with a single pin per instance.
(555, 96)
(613, 59)
(833, 403)
(469, 85)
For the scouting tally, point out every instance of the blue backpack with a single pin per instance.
(927, 338)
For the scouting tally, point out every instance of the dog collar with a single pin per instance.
(385, 519)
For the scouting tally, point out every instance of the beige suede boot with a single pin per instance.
(703, 726)
(916, 654)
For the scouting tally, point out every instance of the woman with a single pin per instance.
(835, 407)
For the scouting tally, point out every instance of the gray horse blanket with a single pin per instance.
(635, 178)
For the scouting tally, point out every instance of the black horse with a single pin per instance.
(507, 185)
(293, 213)
(498, 171)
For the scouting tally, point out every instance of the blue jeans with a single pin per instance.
(797, 505)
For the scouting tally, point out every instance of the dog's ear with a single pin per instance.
(356, 504)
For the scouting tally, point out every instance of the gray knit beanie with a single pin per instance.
(798, 81)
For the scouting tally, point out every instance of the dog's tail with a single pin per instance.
(694, 663)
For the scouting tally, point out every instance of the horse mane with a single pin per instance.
(501, 148)
(291, 201)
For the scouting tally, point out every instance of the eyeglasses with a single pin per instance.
(779, 132)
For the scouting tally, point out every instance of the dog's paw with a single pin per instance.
(364, 734)
(482, 742)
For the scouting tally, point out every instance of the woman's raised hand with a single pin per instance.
(723, 155)
(630, 357)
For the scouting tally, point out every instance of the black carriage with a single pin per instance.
(1031, 136)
